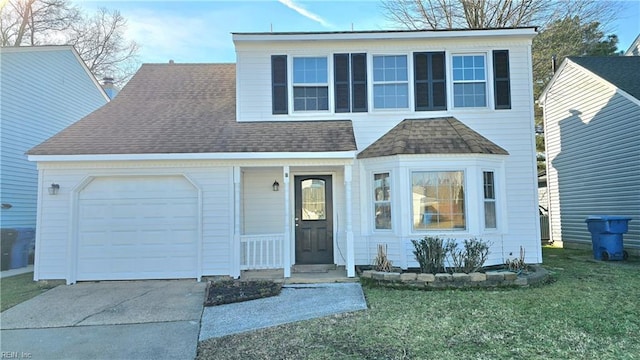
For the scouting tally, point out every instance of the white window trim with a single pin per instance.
(488, 74)
(372, 201)
(329, 84)
(371, 83)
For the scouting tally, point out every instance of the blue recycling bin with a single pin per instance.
(606, 236)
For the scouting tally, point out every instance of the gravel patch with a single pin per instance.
(295, 303)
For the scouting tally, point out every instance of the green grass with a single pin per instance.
(591, 310)
(19, 288)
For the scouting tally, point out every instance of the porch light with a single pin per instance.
(53, 189)
(276, 185)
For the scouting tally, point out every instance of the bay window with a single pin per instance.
(490, 221)
(382, 201)
(438, 200)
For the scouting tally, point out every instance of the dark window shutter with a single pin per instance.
(359, 82)
(279, 84)
(438, 77)
(341, 82)
(429, 80)
(501, 82)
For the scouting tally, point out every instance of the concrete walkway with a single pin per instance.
(14, 272)
(295, 303)
(156, 319)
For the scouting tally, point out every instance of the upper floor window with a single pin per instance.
(382, 201)
(310, 84)
(390, 82)
(469, 81)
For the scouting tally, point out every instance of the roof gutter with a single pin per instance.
(196, 156)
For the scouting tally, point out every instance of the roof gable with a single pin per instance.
(621, 71)
(445, 135)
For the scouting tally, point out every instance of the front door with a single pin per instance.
(314, 219)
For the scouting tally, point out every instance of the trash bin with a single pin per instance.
(8, 238)
(606, 236)
(20, 250)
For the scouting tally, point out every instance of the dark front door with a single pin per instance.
(314, 219)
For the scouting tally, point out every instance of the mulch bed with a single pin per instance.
(231, 291)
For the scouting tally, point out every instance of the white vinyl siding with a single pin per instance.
(593, 158)
(55, 257)
(44, 90)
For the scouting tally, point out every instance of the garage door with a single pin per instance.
(137, 228)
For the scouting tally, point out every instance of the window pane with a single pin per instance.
(438, 200)
(309, 98)
(490, 214)
(390, 96)
(381, 187)
(310, 70)
(313, 200)
(469, 95)
(383, 216)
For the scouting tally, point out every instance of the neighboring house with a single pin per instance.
(592, 128)
(312, 149)
(43, 89)
(634, 48)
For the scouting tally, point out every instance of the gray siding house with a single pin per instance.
(43, 90)
(592, 129)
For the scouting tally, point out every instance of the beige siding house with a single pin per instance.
(592, 132)
(310, 150)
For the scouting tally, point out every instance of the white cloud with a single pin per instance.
(306, 13)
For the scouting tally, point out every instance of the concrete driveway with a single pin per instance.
(158, 319)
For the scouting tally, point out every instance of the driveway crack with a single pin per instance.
(112, 307)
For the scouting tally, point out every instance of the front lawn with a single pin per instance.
(590, 311)
(19, 288)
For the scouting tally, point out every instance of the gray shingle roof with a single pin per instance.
(431, 136)
(621, 71)
(188, 108)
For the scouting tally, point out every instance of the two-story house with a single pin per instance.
(312, 149)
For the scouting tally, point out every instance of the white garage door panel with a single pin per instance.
(137, 228)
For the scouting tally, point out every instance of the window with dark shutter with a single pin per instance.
(429, 81)
(279, 84)
(501, 82)
(359, 82)
(341, 82)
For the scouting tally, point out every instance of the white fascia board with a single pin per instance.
(374, 35)
(197, 156)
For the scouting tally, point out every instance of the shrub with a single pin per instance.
(471, 258)
(431, 253)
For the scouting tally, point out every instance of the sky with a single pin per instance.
(199, 31)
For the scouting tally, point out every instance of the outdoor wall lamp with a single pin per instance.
(276, 185)
(54, 189)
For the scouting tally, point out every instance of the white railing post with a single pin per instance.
(351, 267)
(286, 244)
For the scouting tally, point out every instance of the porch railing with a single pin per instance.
(261, 251)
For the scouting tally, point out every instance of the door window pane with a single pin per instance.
(438, 200)
(313, 200)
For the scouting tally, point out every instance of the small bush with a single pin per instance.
(381, 262)
(432, 252)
